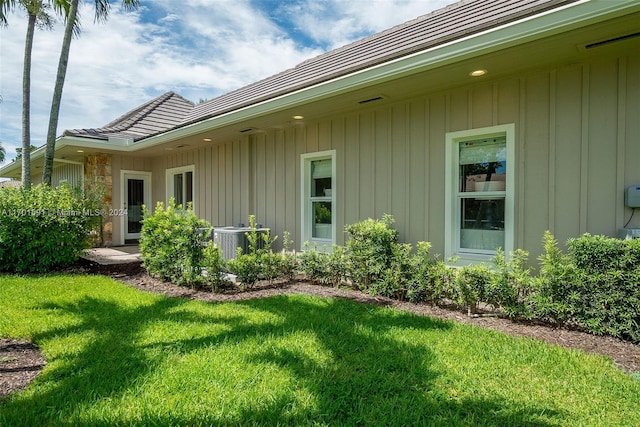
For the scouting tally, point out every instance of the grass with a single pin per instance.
(118, 356)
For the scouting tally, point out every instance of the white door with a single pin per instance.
(136, 192)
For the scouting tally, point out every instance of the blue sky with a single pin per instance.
(197, 48)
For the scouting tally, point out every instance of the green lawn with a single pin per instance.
(118, 356)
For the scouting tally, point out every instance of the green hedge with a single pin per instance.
(596, 285)
(605, 295)
(44, 228)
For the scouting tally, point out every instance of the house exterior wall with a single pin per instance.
(70, 173)
(577, 147)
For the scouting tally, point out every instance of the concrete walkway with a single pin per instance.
(113, 255)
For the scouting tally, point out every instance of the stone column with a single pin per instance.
(98, 179)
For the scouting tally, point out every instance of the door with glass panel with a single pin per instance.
(136, 194)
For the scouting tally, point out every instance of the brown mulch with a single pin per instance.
(20, 361)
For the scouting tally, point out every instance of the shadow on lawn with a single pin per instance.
(393, 386)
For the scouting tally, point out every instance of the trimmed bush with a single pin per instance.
(431, 279)
(370, 250)
(326, 268)
(395, 280)
(172, 243)
(44, 228)
(470, 285)
(605, 296)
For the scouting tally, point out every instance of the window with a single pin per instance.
(318, 198)
(180, 185)
(479, 188)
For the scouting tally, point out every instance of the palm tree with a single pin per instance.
(38, 16)
(102, 13)
(2, 152)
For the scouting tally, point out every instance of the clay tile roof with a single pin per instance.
(160, 114)
(453, 22)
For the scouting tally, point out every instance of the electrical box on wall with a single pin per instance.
(632, 196)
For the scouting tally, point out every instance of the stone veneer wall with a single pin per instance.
(98, 177)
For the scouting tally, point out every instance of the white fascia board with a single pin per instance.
(72, 141)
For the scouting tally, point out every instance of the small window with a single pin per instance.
(180, 185)
(479, 189)
(318, 198)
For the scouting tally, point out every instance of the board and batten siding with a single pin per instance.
(72, 174)
(577, 148)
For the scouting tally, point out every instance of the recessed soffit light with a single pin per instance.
(478, 73)
(297, 117)
(207, 139)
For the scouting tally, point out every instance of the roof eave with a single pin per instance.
(534, 27)
(10, 170)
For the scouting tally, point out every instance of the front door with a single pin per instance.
(136, 193)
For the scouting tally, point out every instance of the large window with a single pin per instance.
(479, 189)
(180, 185)
(318, 198)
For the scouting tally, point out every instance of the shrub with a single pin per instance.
(470, 286)
(246, 267)
(270, 266)
(171, 243)
(260, 263)
(370, 250)
(431, 278)
(605, 296)
(327, 268)
(289, 259)
(337, 266)
(553, 285)
(44, 228)
(213, 266)
(313, 263)
(395, 280)
(511, 284)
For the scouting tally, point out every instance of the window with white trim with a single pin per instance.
(318, 198)
(479, 213)
(180, 185)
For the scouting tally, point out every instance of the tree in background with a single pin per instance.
(38, 17)
(19, 152)
(102, 8)
(2, 153)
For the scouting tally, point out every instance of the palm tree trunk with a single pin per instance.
(26, 104)
(57, 94)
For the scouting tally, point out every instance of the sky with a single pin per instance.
(197, 48)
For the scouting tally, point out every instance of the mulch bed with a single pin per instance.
(20, 361)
